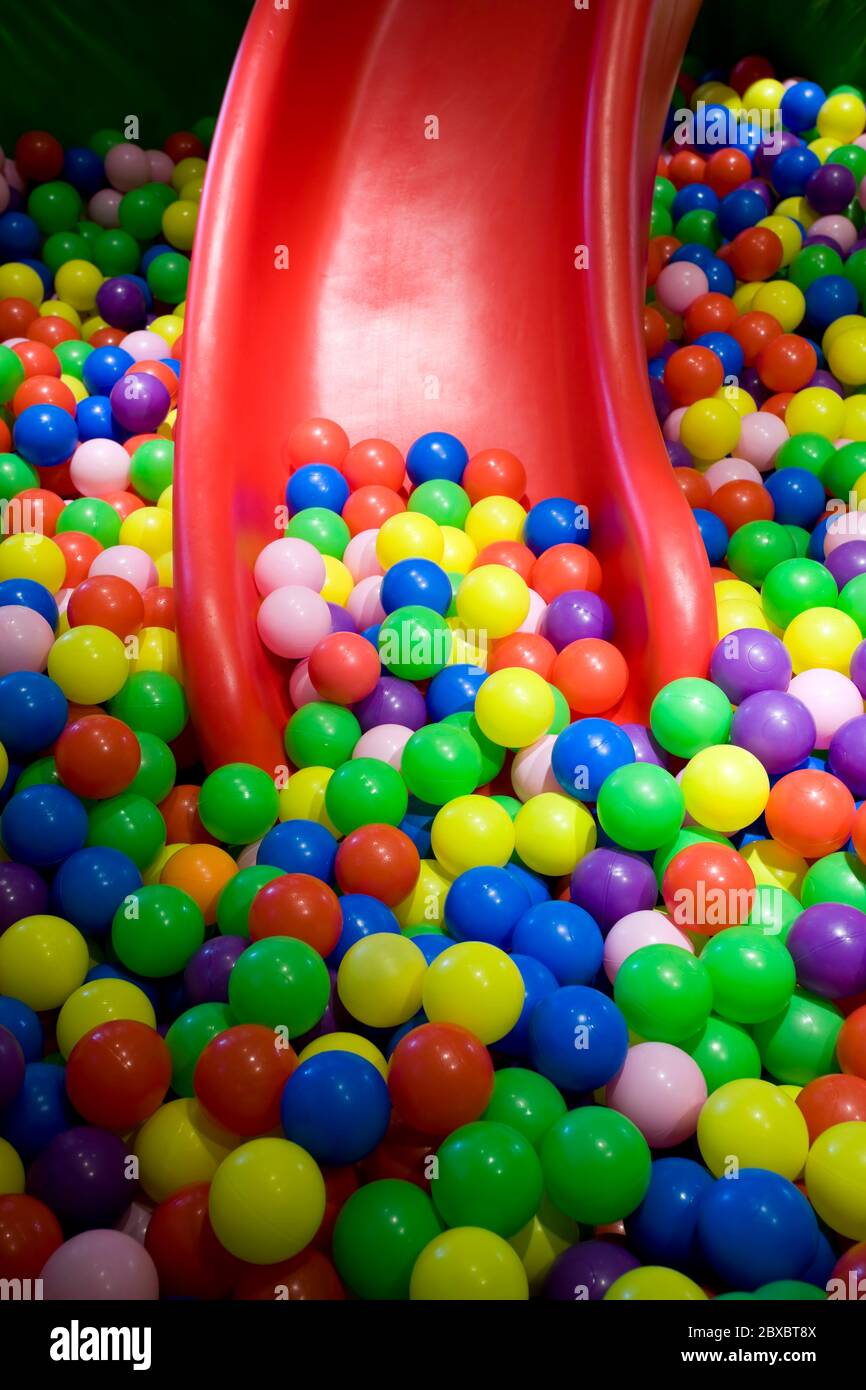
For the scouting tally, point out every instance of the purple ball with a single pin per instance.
(341, 619)
(139, 402)
(761, 187)
(820, 240)
(81, 1176)
(749, 660)
(847, 755)
(646, 750)
(751, 382)
(777, 728)
(828, 943)
(11, 1067)
(206, 977)
(662, 403)
(829, 382)
(678, 454)
(23, 893)
(610, 883)
(587, 1270)
(575, 614)
(858, 662)
(847, 561)
(830, 188)
(392, 701)
(121, 303)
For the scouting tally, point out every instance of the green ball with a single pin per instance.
(689, 714)
(11, 375)
(801, 538)
(688, 835)
(661, 222)
(526, 1101)
(488, 1176)
(103, 140)
(665, 993)
(236, 899)
(791, 1291)
(152, 468)
(238, 803)
(852, 601)
(15, 474)
(153, 701)
(799, 1044)
(89, 230)
(753, 975)
(812, 263)
(158, 770)
(755, 548)
(116, 252)
(280, 982)
(664, 191)
(699, 225)
(365, 791)
(156, 929)
(640, 806)
(324, 529)
(441, 761)
(774, 910)
(492, 754)
(204, 128)
(725, 1052)
(63, 247)
(561, 713)
(445, 502)
(167, 276)
(72, 356)
(596, 1165)
(414, 642)
(140, 212)
(93, 517)
(187, 1039)
(164, 192)
(380, 1232)
(842, 471)
(321, 735)
(854, 268)
(129, 823)
(41, 773)
(794, 586)
(54, 206)
(509, 804)
(837, 878)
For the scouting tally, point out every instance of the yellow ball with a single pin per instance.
(166, 498)
(654, 1284)
(458, 551)
(28, 555)
(408, 535)
(338, 583)
(193, 167)
(822, 637)
(553, 832)
(468, 1265)
(42, 960)
(843, 324)
(847, 357)
(78, 282)
(165, 569)
(737, 398)
(154, 870)
(752, 1124)
(11, 1170)
(192, 190)
(379, 980)
(842, 118)
(836, 1178)
(168, 326)
(89, 664)
(854, 418)
(347, 1042)
(744, 294)
(540, 1241)
(710, 428)
(775, 866)
(763, 95)
(514, 707)
(725, 787)
(303, 798)
(78, 389)
(267, 1200)
(156, 649)
(476, 985)
(733, 614)
(799, 209)
(784, 301)
(817, 410)
(149, 528)
(91, 326)
(179, 222)
(472, 830)
(788, 233)
(97, 1002)
(823, 147)
(4, 764)
(736, 589)
(426, 902)
(19, 281)
(467, 648)
(494, 599)
(179, 1144)
(55, 308)
(495, 519)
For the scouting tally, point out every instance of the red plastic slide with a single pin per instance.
(388, 238)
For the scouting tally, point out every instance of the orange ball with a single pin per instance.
(655, 331)
(851, 1044)
(80, 551)
(694, 486)
(202, 871)
(811, 813)
(754, 254)
(494, 473)
(726, 170)
(787, 363)
(563, 567)
(183, 825)
(52, 329)
(370, 507)
(661, 248)
(778, 404)
(592, 675)
(753, 331)
(514, 555)
(693, 373)
(527, 649)
(47, 507)
(43, 390)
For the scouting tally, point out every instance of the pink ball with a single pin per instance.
(531, 772)
(98, 1266)
(731, 470)
(359, 557)
(291, 620)
(160, 166)
(12, 176)
(831, 699)
(127, 166)
(301, 688)
(837, 226)
(535, 617)
(661, 1089)
(761, 437)
(844, 527)
(679, 284)
(247, 857)
(100, 467)
(25, 639)
(144, 346)
(103, 208)
(4, 194)
(289, 561)
(127, 562)
(636, 929)
(364, 604)
(673, 424)
(386, 742)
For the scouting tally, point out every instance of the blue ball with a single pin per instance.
(103, 367)
(40, 1110)
(454, 690)
(45, 435)
(713, 534)
(664, 1228)
(485, 904)
(694, 195)
(91, 885)
(578, 1038)
(431, 944)
(538, 983)
(656, 368)
(143, 286)
(821, 1266)
(564, 938)
(174, 363)
(29, 593)
(336, 1106)
(727, 349)
(19, 236)
(299, 847)
(756, 1229)
(817, 538)
(792, 169)
(436, 455)
(149, 987)
(800, 106)
(33, 711)
(45, 275)
(317, 485)
(95, 420)
(362, 916)
(828, 298)
(418, 825)
(695, 253)
(720, 277)
(152, 252)
(533, 883)
(555, 521)
(84, 169)
(371, 634)
(416, 1021)
(739, 210)
(24, 1023)
(416, 581)
(42, 825)
(587, 752)
(798, 497)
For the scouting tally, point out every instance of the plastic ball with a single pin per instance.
(514, 707)
(380, 980)
(475, 985)
(42, 960)
(640, 806)
(755, 1123)
(266, 1200)
(596, 1165)
(725, 788)
(757, 1229)
(469, 1264)
(440, 1077)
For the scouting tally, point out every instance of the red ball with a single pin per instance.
(297, 905)
(778, 404)
(58, 480)
(47, 508)
(340, 1183)
(183, 825)
(344, 667)
(43, 390)
(379, 860)
(740, 501)
(190, 1261)
(726, 170)
(851, 1044)
(787, 363)
(38, 156)
(97, 757)
(693, 373)
(440, 1077)
(694, 486)
(494, 473)
(404, 1153)
(158, 604)
(753, 331)
(527, 649)
(563, 567)
(592, 675)
(369, 507)
(240, 1075)
(80, 550)
(52, 329)
(29, 1235)
(686, 167)
(710, 313)
(514, 555)
(850, 1271)
(107, 600)
(832, 1100)
(316, 441)
(754, 254)
(858, 832)
(183, 144)
(119, 1073)
(810, 813)
(655, 331)
(38, 359)
(374, 461)
(661, 248)
(5, 438)
(707, 887)
(748, 70)
(124, 503)
(108, 337)
(309, 1277)
(16, 316)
